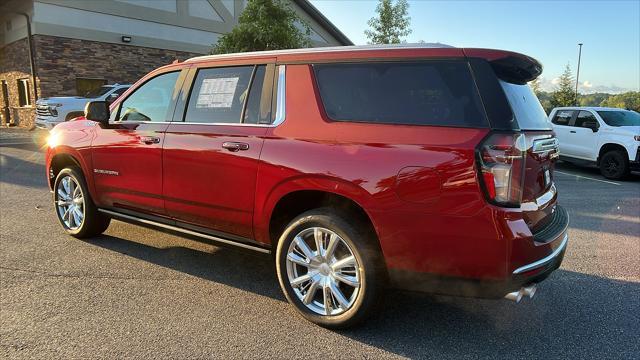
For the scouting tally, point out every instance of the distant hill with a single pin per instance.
(628, 100)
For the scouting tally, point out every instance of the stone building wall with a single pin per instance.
(59, 61)
(14, 65)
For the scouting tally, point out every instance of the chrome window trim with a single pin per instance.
(545, 260)
(281, 95)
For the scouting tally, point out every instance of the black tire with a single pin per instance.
(364, 247)
(93, 222)
(614, 165)
(73, 115)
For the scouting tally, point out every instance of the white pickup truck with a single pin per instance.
(606, 137)
(54, 110)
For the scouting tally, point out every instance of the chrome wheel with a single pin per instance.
(69, 201)
(323, 271)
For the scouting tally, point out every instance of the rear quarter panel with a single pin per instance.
(447, 229)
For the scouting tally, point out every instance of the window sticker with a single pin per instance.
(217, 93)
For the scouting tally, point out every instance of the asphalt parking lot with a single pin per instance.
(139, 293)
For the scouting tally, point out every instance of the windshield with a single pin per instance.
(97, 92)
(620, 118)
(526, 107)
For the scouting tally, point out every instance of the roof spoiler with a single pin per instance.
(509, 66)
(517, 69)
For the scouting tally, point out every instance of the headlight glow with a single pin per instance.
(53, 140)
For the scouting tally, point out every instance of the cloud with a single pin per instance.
(586, 87)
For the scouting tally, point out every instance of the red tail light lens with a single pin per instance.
(501, 164)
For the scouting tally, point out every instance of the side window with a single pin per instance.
(413, 93)
(562, 117)
(151, 101)
(586, 119)
(253, 114)
(218, 95)
(120, 91)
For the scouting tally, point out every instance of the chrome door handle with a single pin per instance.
(235, 146)
(149, 140)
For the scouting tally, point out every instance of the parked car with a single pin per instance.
(357, 168)
(54, 110)
(608, 138)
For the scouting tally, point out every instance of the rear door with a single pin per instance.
(211, 150)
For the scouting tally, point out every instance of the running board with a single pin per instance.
(183, 231)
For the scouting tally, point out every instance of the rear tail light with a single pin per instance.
(501, 159)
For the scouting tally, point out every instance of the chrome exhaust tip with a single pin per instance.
(516, 296)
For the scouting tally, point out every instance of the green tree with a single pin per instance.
(391, 24)
(629, 100)
(265, 25)
(564, 95)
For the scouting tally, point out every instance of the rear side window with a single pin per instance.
(562, 117)
(218, 95)
(526, 107)
(585, 119)
(414, 93)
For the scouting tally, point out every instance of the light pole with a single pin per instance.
(578, 72)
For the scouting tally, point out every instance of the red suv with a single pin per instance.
(357, 168)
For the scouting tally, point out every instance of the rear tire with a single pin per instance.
(74, 207)
(614, 165)
(339, 285)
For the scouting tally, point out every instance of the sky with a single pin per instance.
(546, 30)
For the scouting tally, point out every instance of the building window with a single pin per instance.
(84, 85)
(24, 96)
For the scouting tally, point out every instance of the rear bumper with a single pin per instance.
(524, 275)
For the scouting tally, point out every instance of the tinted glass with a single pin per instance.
(526, 107)
(417, 93)
(620, 118)
(252, 113)
(97, 92)
(120, 91)
(562, 117)
(218, 95)
(151, 101)
(586, 119)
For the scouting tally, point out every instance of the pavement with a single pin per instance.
(139, 293)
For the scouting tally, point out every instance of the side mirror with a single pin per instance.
(593, 125)
(97, 111)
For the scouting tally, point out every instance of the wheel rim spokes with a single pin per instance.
(70, 203)
(323, 271)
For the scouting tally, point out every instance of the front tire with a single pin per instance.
(74, 207)
(332, 272)
(614, 165)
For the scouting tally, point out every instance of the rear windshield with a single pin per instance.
(97, 92)
(414, 93)
(526, 107)
(620, 118)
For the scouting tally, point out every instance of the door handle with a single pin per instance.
(235, 146)
(572, 131)
(149, 140)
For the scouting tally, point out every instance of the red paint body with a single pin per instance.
(418, 184)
